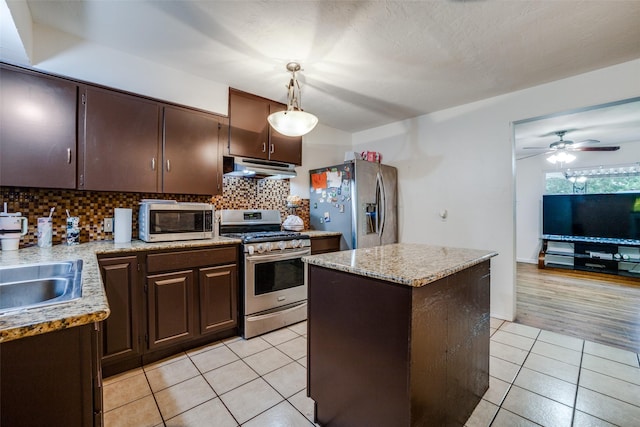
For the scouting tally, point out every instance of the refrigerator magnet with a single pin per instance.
(327, 217)
(341, 208)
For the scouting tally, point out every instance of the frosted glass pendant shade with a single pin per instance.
(293, 122)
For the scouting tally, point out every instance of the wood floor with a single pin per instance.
(596, 307)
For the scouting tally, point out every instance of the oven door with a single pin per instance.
(274, 280)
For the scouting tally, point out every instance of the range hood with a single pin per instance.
(256, 168)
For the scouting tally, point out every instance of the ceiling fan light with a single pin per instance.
(292, 122)
(561, 157)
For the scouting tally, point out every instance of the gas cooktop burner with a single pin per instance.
(267, 236)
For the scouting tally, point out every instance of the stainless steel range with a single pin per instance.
(274, 289)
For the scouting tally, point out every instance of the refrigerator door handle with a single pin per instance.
(380, 204)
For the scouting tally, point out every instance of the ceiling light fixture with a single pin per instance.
(293, 121)
(561, 157)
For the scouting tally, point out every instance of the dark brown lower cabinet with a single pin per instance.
(324, 244)
(121, 330)
(218, 298)
(163, 302)
(385, 354)
(52, 379)
(170, 301)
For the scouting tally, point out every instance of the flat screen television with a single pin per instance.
(611, 216)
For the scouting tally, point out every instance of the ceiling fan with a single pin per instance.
(560, 149)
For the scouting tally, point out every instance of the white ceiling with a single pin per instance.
(365, 63)
(615, 124)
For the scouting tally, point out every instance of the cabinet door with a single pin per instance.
(191, 164)
(218, 298)
(170, 308)
(121, 330)
(38, 132)
(121, 137)
(249, 129)
(47, 380)
(286, 149)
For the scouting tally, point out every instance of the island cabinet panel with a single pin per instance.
(250, 134)
(120, 139)
(38, 143)
(358, 336)
(386, 354)
(52, 379)
(120, 331)
(171, 308)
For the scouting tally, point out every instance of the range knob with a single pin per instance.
(282, 245)
(260, 248)
(295, 243)
(267, 246)
(250, 249)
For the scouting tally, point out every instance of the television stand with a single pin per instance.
(611, 256)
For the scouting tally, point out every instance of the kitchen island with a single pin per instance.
(398, 335)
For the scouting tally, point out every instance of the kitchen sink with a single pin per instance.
(36, 285)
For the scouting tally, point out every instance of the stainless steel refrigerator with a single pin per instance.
(357, 198)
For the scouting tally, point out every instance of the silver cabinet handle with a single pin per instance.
(273, 148)
(69, 155)
(153, 163)
(168, 165)
(264, 147)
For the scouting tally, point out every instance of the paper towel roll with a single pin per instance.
(122, 225)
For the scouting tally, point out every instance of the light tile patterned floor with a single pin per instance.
(537, 378)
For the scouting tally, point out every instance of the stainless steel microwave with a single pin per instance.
(168, 220)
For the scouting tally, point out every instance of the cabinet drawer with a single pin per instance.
(320, 245)
(191, 259)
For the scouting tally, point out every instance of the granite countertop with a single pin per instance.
(320, 233)
(92, 306)
(408, 264)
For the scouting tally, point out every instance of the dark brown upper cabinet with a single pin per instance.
(250, 134)
(192, 161)
(120, 142)
(38, 143)
(139, 145)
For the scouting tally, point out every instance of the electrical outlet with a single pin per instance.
(107, 224)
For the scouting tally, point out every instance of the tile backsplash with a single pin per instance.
(93, 206)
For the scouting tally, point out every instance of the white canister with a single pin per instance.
(122, 224)
(45, 232)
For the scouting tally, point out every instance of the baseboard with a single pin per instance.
(527, 260)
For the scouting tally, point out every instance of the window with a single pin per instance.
(558, 183)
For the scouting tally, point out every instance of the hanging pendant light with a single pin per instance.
(293, 121)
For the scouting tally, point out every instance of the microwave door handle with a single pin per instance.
(380, 204)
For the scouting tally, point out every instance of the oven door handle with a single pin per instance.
(276, 313)
(279, 256)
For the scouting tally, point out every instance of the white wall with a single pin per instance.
(461, 160)
(530, 186)
(99, 64)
